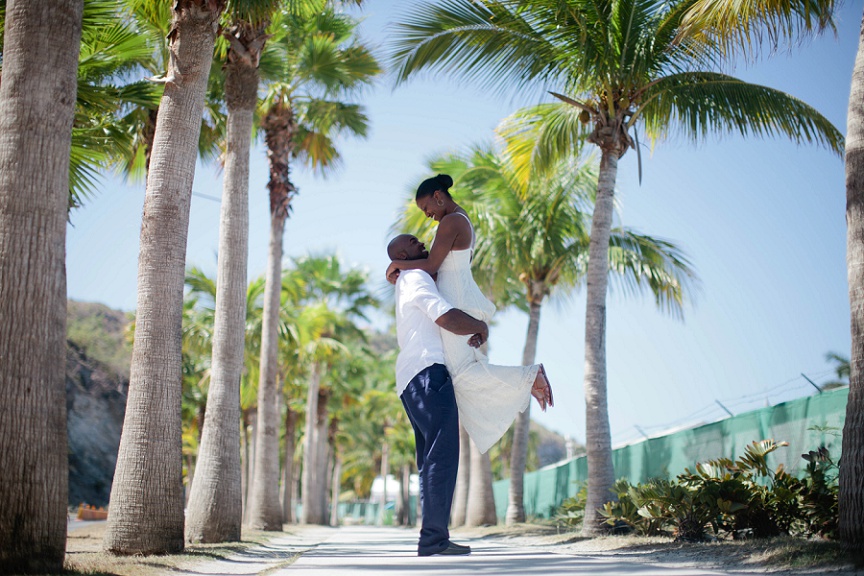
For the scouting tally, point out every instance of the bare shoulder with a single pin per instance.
(457, 222)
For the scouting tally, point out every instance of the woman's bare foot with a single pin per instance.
(542, 390)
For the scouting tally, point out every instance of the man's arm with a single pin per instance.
(418, 288)
(458, 322)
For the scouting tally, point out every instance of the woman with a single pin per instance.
(488, 396)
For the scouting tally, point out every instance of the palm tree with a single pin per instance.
(146, 514)
(216, 503)
(37, 105)
(620, 66)
(309, 55)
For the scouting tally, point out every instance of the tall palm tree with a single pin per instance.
(147, 503)
(216, 503)
(37, 105)
(309, 55)
(619, 66)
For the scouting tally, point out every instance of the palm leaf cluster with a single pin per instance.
(616, 64)
(309, 66)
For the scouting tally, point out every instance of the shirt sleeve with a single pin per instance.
(421, 292)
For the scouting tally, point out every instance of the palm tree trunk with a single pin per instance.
(288, 467)
(311, 476)
(190, 476)
(37, 100)
(463, 480)
(249, 457)
(385, 471)
(481, 501)
(335, 489)
(147, 494)
(278, 150)
(323, 459)
(519, 452)
(601, 475)
(265, 511)
(851, 522)
(216, 505)
(404, 512)
(264, 507)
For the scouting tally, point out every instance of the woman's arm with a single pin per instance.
(448, 231)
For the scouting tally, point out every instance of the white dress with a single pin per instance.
(488, 396)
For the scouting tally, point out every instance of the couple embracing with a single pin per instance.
(441, 376)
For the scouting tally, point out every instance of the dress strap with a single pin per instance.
(470, 226)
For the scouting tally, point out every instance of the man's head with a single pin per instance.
(406, 247)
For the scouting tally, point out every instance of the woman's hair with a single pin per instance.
(431, 185)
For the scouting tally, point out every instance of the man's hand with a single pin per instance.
(480, 338)
(392, 273)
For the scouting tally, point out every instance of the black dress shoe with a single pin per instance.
(451, 550)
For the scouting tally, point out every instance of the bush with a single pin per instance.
(572, 510)
(742, 498)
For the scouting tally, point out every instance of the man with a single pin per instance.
(424, 385)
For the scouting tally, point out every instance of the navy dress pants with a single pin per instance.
(431, 406)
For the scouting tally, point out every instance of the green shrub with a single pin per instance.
(819, 494)
(572, 510)
(742, 498)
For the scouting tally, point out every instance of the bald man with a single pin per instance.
(426, 391)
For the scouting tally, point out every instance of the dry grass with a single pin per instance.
(787, 555)
(84, 554)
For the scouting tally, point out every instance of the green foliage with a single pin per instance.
(819, 493)
(102, 333)
(572, 510)
(628, 508)
(741, 498)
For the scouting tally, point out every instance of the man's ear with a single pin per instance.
(403, 255)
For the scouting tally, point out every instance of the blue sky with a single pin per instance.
(763, 222)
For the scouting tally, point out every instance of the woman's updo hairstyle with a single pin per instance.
(441, 182)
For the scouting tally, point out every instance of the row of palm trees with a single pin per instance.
(332, 379)
(156, 128)
(615, 67)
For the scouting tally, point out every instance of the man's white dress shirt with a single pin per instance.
(418, 305)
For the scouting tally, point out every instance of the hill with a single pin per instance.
(97, 381)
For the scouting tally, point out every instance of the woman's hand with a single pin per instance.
(392, 273)
(480, 338)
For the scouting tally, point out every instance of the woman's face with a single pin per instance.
(429, 206)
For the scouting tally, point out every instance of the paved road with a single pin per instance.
(363, 550)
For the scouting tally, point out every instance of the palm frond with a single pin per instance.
(638, 262)
(539, 137)
(698, 103)
(748, 25)
(491, 44)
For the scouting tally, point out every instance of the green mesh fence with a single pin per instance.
(805, 423)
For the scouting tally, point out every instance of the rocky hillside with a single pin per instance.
(97, 365)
